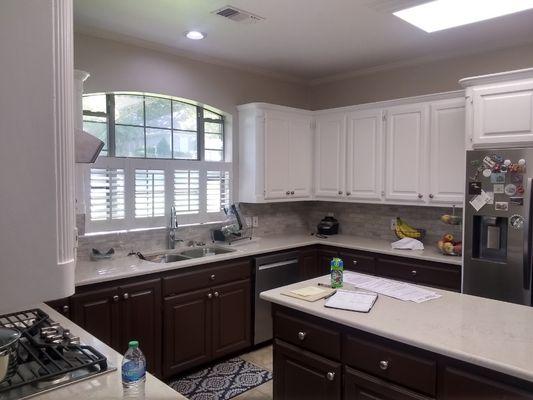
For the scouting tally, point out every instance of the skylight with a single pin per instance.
(444, 14)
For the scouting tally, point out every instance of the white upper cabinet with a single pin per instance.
(407, 128)
(330, 153)
(364, 155)
(447, 151)
(500, 109)
(275, 153)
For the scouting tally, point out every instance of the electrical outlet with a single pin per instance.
(393, 224)
(248, 221)
(255, 221)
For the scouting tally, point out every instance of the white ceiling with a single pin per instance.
(302, 39)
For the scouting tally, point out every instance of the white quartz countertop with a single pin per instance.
(88, 272)
(107, 386)
(484, 332)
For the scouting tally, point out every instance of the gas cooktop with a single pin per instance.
(49, 356)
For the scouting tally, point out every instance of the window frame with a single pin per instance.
(169, 165)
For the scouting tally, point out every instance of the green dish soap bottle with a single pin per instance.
(337, 269)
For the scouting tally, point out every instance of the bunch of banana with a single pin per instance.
(403, 230)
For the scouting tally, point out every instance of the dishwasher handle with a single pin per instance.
(277, 264)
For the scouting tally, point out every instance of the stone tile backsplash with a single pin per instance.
(368, 220)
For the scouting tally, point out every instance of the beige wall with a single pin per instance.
(438, 76)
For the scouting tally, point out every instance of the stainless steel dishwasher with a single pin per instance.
(271, 271)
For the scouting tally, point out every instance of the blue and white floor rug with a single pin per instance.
(221, 381)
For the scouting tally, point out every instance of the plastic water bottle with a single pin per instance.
(133, 369)
(337, 270)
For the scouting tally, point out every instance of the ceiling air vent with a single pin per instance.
(237, 15)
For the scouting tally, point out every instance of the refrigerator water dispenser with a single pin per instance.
(490, 238)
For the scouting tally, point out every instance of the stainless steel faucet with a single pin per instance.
(172, 229)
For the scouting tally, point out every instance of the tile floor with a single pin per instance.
(262, 358)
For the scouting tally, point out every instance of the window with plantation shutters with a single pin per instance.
(149, 193)
(218, 190)
(106, 194)
(187, 191)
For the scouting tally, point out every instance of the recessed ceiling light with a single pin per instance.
(443, 14)
(194, 35)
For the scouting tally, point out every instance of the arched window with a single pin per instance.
(159, 151)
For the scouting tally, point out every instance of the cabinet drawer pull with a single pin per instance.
(431, 196)
(384, 365)
(126, 296)
(292, 191)
(414, 272)
(115, 298)
(210, 295)
(216, 294)
(420, 195)
(330, 376)
(302, 335)
(354, 262)
(340, 191)
(65, 309)
(348, 193)
(212, 277)
(287, 192)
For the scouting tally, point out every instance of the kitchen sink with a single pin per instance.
(205, 251)
(196, 252)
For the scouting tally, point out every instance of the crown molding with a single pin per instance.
(118, 37)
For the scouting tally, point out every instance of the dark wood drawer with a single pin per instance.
(405, 367)
(308, 335)
(358, 261)
(195, 278)
(431, 274)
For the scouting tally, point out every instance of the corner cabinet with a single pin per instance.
(275, 153)
(500, 109)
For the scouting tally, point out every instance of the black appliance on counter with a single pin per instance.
(328, 226)
(49, 356)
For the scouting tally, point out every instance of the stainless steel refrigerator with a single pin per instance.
(497, 224)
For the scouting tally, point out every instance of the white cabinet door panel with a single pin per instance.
(447, 152)
(330, 155)
(365, 158)
(276, 155)
(503, 114)
(300, 158)
(406, 144)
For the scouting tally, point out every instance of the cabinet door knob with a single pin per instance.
(212, 277)
(292, 191)
(330, 376)
(126, 296)
(209, 295)
(384, 365)
(302, 335)
(382, 193)
(340, 191)
(431, 196)
(420, 195)
(287, 192)
(216, 294)
(354, 262)
(414, 272)
(66, 309)
(115, 298)
(348, 193)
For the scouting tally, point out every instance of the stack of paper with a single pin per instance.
(352, 300)
(388, 287)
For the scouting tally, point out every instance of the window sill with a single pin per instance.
(198, 224)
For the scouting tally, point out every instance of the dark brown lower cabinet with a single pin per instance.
(361, 386)
(118, 314)
(231, 317)
(302, 375)
(206, 324)
(308, 264)
(186, 326)
(458, 384)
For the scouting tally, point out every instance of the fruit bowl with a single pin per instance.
(450, 247)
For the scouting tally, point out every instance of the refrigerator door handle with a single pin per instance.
(527, 234)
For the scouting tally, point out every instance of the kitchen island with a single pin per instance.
(105, 386)
(454, 347)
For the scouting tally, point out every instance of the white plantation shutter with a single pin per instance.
(187, 191)
(149, 193)
(217, 190)
(106, 194)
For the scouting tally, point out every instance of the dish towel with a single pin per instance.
(408, 244)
